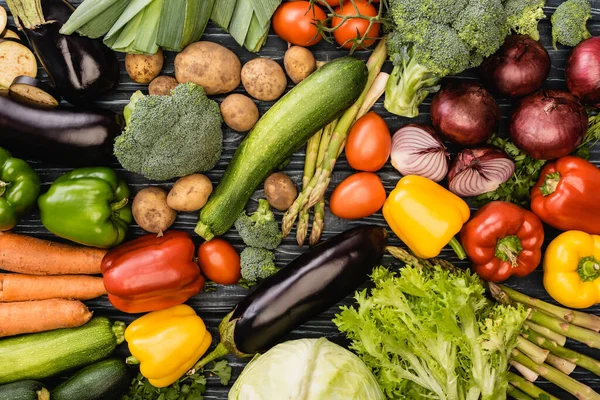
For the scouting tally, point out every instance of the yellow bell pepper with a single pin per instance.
(572, 269)
(167, 343)
(425, 216)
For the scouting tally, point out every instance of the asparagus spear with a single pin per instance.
(528, 387)
(310, 164)
(560, 364)
(547, 333)
(578, 318)
(517, 394)
(528, 374)
(532, 350)
(553, 375)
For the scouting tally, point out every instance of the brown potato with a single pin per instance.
(144, 68)
(264, 79)
(280, 191)
(190, 193)
(239, 112)
(151, 211)
(210, 65)
(162, 85)
(299, 63)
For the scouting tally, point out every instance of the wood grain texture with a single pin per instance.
(212, 306)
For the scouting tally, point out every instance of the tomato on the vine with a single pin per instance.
(358, 196)
(369, 143)
(295, 22)
(219, 261)
(354, 28)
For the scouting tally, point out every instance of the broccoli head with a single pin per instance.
(170, 136)
(523, 16)
(569, 22)
(259, 229)
(257, 264)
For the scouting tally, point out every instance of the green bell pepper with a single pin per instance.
(19, 189)
(88, 206)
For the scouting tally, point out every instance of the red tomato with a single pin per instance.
(358, 196)
(355, 27)
(294, 22)
(369, 143)
(219, 262)
(332, 3)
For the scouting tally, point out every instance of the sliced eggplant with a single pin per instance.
(9, 34)
(15, 60)
(3, 18)
(33, 92)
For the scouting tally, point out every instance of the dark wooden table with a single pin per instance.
(213, 305)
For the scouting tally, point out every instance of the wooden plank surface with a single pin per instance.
(212, 306)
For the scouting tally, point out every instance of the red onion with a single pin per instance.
(548, 124)
(477, 171)
(518, 68)
(583, 71)
(417, 150)
(465, 113)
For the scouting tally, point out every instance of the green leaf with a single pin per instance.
(264, 9)
(123, 32)
(145, 39)
(222, 13)
(240, 21)
(89, 11)
(100, 25)
(257, 35)
(222, 370)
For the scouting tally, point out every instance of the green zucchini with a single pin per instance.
(40, 355)
(24, 390)
(281, 131)
(105, 380)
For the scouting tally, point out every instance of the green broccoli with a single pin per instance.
(435, 38)
(259, 229)
(170, 136)
(257, 264)
(523, 16)
(569, 22)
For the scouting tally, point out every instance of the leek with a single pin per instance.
(94, 18)
(222, 13)
(240, 22)
(183, 22)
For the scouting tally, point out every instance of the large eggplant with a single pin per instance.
(309, 285)
(81, 69)
(60, 136)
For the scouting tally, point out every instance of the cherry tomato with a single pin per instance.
(369, 143)
(332, 3)
(358, 196)
(294, 22)
(219, 262)
(355, 27)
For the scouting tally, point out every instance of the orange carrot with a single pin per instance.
(29, 255)
(17, 287)
(42, 315)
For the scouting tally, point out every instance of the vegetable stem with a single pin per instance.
(458, 249)
(561, 364)
(547, 333)
(318, 222)
(532, 350)
(528, 374)
(310, 162)
(377, 90)
(219, 351)
(517, 394)
(583, 335)
(528, 387)
(28, 13)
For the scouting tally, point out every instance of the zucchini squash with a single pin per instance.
(104, 380)
(309, 106)
(24, 390)
(40, 355)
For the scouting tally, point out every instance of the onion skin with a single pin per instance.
(465, 113)
(518, 68)
(583, 71)
(548, 124)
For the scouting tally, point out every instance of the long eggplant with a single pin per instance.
(59, 136)
(309, 285)
(81, 69)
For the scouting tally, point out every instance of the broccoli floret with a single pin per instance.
(431, 39)
(170, 136)
(257, 264)
(259, 229)
(569, 22)
(523, 16)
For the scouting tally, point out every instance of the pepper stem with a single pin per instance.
(28, 13)
(3, 186)
(550, 183)
(458, 249)
(220, 351)
(116, 206)
(118, 329)
(131, 360)
(508, 249)
(588, 269)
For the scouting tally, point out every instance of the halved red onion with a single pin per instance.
(418, 150)
(477, 171)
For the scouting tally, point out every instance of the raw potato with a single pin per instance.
(151, 211)
(280, 191)
(210, 65)
(239, 112)
(144, 68)
(162, 85)
(299, 63)
(15, 60)
(264, 79)
(3, 18)
(190, 193)
(8, 34)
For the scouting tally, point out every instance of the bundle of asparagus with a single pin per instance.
(323, 150)
(540, 350)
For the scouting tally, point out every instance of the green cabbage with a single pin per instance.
(306, 369)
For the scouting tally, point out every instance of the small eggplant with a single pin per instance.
(309, 285)
(60, 136)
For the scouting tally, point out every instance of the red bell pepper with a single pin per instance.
(503, 239)
(567, 195)
(152, 272)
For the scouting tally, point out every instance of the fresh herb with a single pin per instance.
(222, 370)
(591, 138)
(518, 187)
